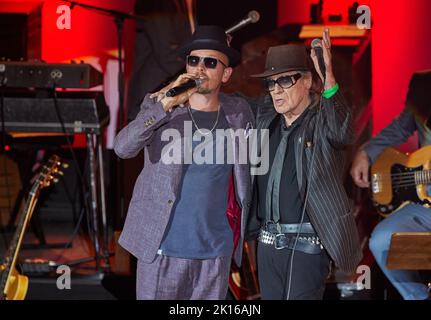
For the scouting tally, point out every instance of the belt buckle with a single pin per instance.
(267, 223)
(280, 238)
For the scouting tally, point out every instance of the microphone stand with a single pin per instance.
(119, 18)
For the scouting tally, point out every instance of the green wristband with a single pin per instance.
(331, 91)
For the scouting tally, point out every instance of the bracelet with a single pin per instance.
(331, 91)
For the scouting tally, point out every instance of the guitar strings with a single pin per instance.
(404, 173)
(404, 179)
(405, 185)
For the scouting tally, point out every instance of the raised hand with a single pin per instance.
(325, 44)
(170, 102)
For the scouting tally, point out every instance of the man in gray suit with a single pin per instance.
(303, 212)
(182, 224)
(412, 217)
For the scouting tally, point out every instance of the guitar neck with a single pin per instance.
(423, 177)
(44, 179)
(12, 253)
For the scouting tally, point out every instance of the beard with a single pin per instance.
(204, 90)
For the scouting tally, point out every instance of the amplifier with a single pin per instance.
(45, 75)
(82, 112)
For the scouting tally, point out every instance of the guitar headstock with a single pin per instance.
(50, 171)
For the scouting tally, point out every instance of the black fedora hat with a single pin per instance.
(212, 38)
(287, 57)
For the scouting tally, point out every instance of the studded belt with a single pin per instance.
(305, 243)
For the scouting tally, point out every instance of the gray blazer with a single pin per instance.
(158, 184)
(328, 206)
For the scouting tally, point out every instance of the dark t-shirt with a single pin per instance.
(289, 198)
(199, 228)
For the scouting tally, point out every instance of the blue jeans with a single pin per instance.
(411, 218)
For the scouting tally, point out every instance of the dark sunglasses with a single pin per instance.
(209, 62)
(285, 81)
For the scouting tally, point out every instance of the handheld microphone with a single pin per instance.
(319, 53)
(183, 87)
(252, 17)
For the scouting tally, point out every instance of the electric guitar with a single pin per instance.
(13, 286)
(398, 179)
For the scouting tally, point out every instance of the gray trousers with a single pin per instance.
(169, 278)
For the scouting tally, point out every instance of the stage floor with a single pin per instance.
(45, 264)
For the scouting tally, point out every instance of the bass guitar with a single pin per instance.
(400, 178)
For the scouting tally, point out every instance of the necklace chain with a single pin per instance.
(196, 126)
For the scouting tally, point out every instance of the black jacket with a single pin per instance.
(328, 206)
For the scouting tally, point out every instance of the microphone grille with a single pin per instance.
(315, 42)
(254, 16)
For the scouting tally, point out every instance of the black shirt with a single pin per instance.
(290, 201)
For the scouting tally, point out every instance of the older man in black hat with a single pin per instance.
(303, 212)
(182, 224)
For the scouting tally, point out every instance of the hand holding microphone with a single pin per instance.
(322, 59)
(191, 83)
(178, 92)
